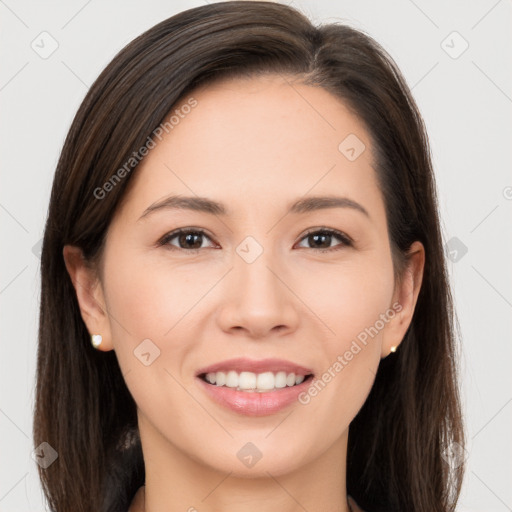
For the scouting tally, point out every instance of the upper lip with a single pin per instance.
(242, 364)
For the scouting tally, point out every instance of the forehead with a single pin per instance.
(270, 112)
(258, 138)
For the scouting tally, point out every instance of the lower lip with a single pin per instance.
(255, 403)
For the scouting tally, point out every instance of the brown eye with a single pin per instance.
(187, 240)
(322, 239)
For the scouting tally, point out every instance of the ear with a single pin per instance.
(89, 294)
(405, 297)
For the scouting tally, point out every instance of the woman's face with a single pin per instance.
(262, 281)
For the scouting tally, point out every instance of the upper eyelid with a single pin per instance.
(345, 239)
(331, 231)
(172, 234)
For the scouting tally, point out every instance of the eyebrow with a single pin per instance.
(205, 205)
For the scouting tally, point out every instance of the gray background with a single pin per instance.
(465, 98)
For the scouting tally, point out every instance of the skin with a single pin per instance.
(255, 145)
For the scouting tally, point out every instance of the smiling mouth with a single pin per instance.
(251, 382)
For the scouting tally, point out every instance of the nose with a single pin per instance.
(257, 299)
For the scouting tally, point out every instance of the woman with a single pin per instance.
(244, 296)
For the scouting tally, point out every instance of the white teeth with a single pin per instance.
(220, 379)
(280, 380)
(265, 381)
(291, 379)
(232, 379)
(249, 381)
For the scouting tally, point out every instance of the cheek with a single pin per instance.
(351, 298)
(148, 299)
(160, 302)
(151, 307)
(351, 305)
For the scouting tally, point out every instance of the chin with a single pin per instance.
(257, 459)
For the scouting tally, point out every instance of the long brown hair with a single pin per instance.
(399, 440)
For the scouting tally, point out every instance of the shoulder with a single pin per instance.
(137, 504)
(355, 507)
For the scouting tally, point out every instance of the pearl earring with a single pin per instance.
(393, 348)
(96, 340)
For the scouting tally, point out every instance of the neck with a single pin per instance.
(139, 502)
(175, 481)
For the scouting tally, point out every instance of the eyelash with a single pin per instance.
(346, 240)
